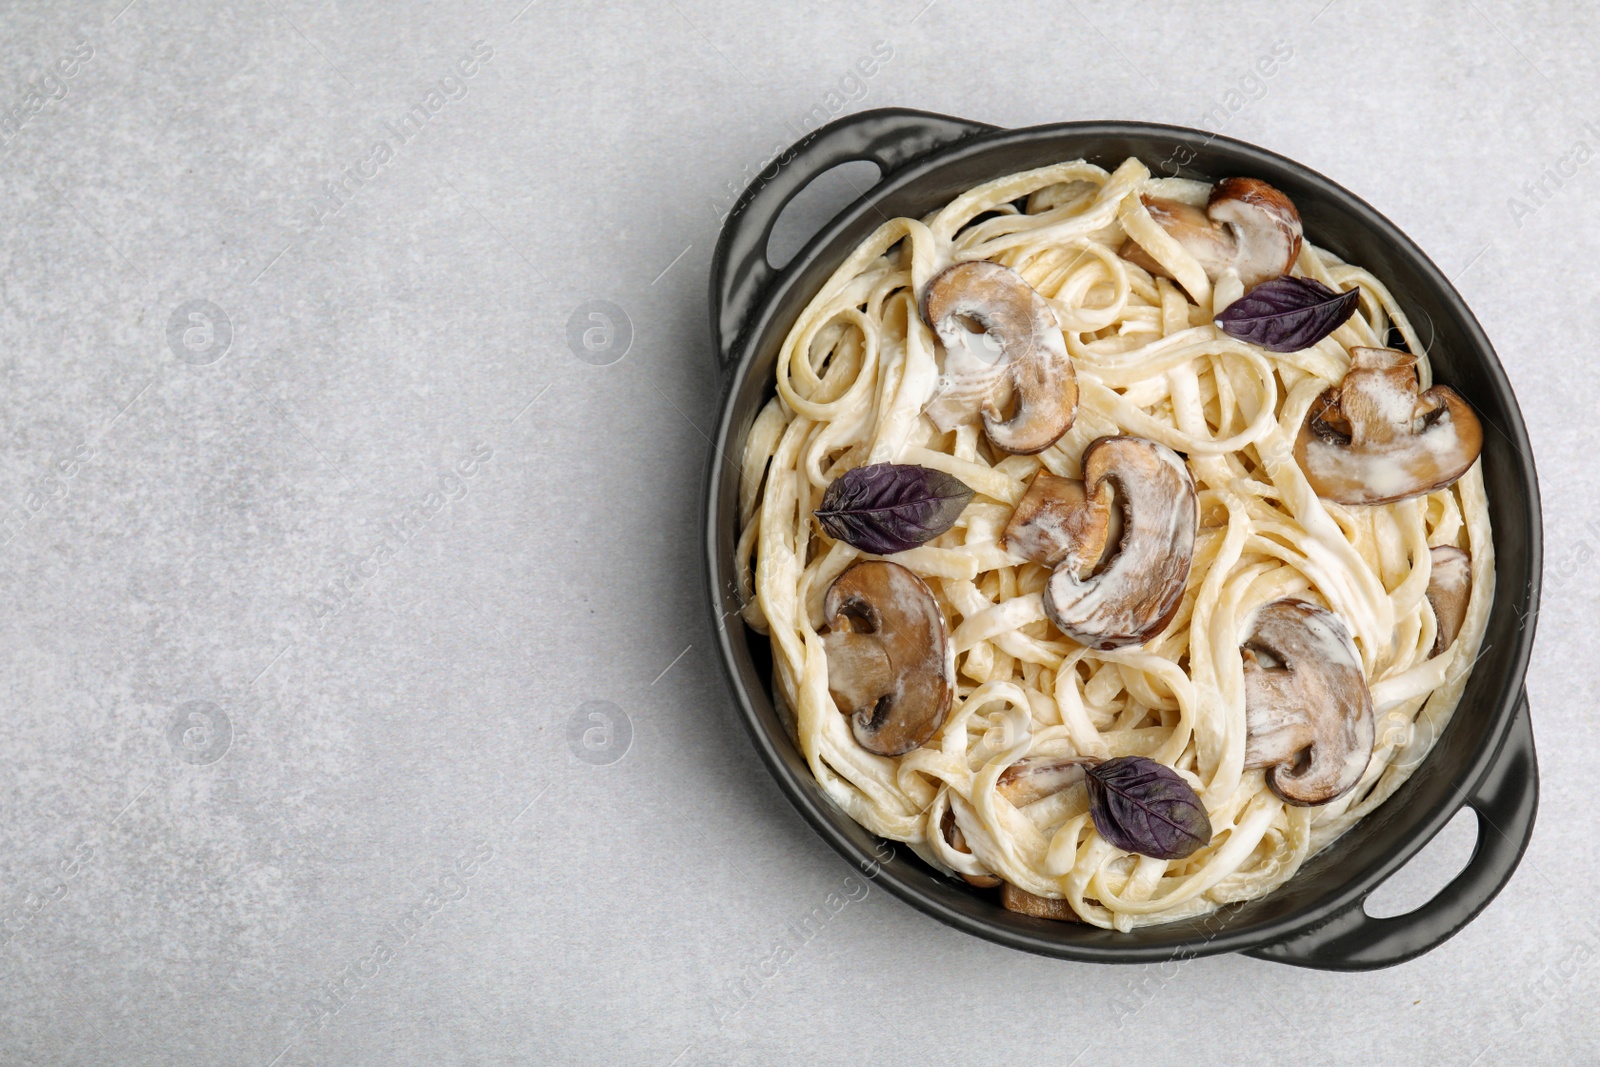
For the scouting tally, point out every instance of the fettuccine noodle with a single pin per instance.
(852, 379)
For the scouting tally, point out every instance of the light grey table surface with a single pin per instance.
(302, 595)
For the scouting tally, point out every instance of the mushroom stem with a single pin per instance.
(1134, 594)
(1054, 515)
(1378, 397)
(859, 671)
(1214, 247)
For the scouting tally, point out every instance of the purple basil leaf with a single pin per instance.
(1143, 806)
(890, 507)
(1287, 314)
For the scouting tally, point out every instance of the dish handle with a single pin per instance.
(1505, 801)
(889, 137)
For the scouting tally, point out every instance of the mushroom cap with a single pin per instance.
(1053, 515)
(890, 666)
(1307, 710)
(1449, 588)
(1373, 439)
(1025, 363)
(1134, 594)
(1247, 226)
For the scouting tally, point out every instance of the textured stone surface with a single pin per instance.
(223, 782)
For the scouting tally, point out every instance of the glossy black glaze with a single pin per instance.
(1485, 757)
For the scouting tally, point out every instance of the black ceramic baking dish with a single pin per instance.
(1484, 758)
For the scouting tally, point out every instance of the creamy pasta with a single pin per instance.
(854, 377)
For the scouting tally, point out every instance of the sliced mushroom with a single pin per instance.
(1248, 226)
(1020, 900)
(1214, 246)
(1307, 709)
(1372, 439)
(1030, 780)
(958, 841)
(1020, 358)
(1024, 782)
(1449, 586)
(889, 662)
(1264, 221)
(1134, 593)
